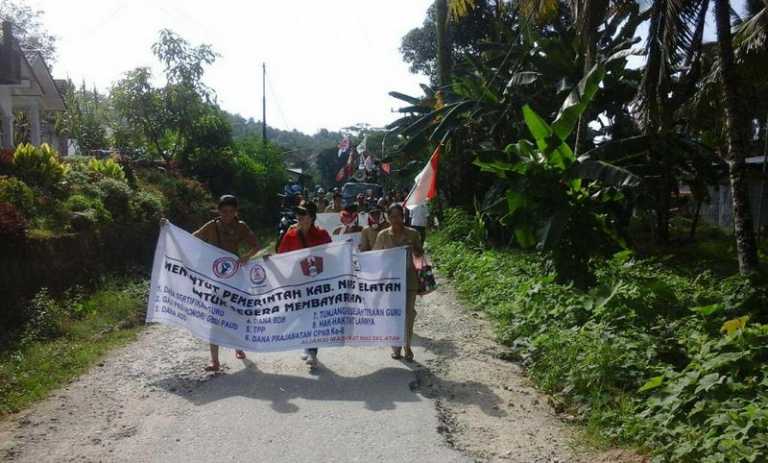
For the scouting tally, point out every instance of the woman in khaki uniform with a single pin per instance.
(229, 233)
(400, 235)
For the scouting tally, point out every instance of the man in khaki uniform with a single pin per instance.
(400, 235)
(336, 206)
(376, 223)
(229, 233)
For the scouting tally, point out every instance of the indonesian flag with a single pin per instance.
(342, 173)
(426, 183)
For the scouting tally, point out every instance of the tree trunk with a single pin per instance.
(695, 222)
(443, 43)
(736, 132)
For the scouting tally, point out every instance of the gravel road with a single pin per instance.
(151, 402)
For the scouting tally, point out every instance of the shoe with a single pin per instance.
(304, 356)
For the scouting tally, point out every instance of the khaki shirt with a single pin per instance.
(368, 236)
(409, 237)
(227, 237)
(344, 230)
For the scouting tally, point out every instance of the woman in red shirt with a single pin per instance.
(305, 234)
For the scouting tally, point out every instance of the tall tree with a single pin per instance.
(443, 42)
(28, 28)
(736, 133)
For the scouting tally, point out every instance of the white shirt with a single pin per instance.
(419, 215)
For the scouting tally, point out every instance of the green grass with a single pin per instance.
(644, 357)
(68, 335)
(83, 329)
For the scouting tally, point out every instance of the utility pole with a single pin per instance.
(264, 102)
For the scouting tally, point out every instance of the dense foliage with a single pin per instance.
(662, 352)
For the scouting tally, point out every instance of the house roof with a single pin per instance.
(38, 84)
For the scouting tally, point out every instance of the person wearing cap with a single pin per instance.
(376, 223)
(304, 234)
(336, 206)
(348, 218)
(395, 236)
(229, 233)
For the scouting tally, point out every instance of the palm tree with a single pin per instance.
(736, 134)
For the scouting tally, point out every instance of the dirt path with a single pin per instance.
(150, 401)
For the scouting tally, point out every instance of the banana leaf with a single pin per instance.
(607, 174)
(408, 99)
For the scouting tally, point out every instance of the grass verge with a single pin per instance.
(66, 336)
(667, 351)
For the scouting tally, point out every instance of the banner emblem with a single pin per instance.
(312, 266)
(258, 274)
(225, 267)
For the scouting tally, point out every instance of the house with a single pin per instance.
(719, 210)
(28, 95)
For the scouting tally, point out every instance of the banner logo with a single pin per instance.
(225, 267)
(258, 274)
(312, 266)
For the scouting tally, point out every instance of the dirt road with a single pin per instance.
(152, 402)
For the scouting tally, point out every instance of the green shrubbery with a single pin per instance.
(47, 196)
(17, 193)
(66, 335)
(658, 353)
(38, 165)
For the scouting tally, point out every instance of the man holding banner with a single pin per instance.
(229, 233)
(318, 295)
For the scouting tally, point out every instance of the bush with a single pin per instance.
(38, 165)
(107, 168)
(147, 207)
(670, 358)
(116, 196)
(88, 211)
(189, 202)
(47, 318)
(17, 193)
(13, 226)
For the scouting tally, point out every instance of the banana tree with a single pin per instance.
(570, 207)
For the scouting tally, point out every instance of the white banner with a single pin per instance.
(316, 297)
(330, 220)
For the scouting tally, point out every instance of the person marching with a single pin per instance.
(304, 234)
(348, 218)
(376, 223)
(400, 235)
(229, 233)
(336, 206)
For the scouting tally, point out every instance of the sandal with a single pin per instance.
(240, 355)
(212, 367)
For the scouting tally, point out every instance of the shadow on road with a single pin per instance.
(432, 383)
(380, 390)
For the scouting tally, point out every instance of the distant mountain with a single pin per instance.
(293, 140)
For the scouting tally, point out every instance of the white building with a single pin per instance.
(26, 86)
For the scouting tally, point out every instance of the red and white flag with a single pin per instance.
(426, 183)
